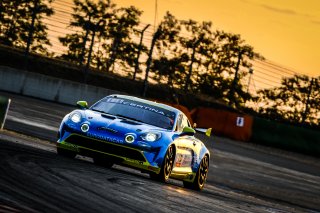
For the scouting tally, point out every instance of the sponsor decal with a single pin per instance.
(105, 138)
(240, 121)
(70, 146)
(124, 102)
(135, 161)
(183, 160)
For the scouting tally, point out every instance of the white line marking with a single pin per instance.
(32, 123)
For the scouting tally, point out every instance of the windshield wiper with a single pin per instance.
(126, 117)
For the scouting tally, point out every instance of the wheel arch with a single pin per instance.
(207, 154)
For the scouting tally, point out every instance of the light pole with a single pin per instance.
(249, 81)
(94, 29)
(136, 68)
(306, 111)
(145, 82)
(235, 79)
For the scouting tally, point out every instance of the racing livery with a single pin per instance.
(152, 137)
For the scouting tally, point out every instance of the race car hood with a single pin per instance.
(101, 123)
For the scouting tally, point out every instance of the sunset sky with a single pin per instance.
(286, 32)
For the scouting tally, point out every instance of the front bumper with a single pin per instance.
(134, 157)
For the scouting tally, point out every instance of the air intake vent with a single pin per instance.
(106, 147)
(108, 116)
(130, 122)
(103, 128)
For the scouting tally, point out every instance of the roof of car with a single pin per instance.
(152, 103)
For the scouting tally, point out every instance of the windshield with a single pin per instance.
(137, 111)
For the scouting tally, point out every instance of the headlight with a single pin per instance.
(75, 117)
(150, 136)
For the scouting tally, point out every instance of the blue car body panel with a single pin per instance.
(106, 136)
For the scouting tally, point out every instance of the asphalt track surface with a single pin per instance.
(242, 177)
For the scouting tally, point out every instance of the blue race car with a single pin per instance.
(145, 135)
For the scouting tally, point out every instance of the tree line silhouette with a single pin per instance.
(186, 55)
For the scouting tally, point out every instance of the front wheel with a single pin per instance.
(201, 176)
(167, 166)
(66, 153)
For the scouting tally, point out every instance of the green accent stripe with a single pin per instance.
(130, 162)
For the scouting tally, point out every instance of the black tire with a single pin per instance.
(166, 167)
(201, 176)
(66, 153)
(104, 162)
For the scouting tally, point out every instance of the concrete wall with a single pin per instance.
(49, 88)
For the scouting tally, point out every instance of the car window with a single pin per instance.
(179, 124)
(182, 122)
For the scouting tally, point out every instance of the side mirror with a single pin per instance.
(188, 131)
(82, 105)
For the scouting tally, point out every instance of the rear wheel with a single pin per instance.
(201, 176)
(104, 162)
(66, 153)
(167, 166)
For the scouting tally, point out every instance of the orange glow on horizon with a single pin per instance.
(283, 31)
